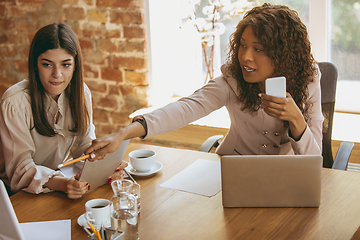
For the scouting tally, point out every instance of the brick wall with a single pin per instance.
(112, 38)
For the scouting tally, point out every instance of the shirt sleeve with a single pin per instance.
(311, 140)
(18, 148)
(210, 97)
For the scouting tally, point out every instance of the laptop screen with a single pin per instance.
(9, 224)
(271, 180)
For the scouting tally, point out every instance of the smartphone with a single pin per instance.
(276, 87)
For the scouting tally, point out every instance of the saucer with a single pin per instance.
(155, 168)
(82, 222)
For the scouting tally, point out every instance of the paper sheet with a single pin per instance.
(201, 177)
(55, 230)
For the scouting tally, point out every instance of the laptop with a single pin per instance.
(97, 173)
(271, 180)
(11, 229)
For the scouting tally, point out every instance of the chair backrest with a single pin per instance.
(329, 76)
(343, 155)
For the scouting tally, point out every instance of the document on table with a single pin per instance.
(55, 230)
(201, 177)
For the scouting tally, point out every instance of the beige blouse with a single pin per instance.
(22, 147)
(250, 133)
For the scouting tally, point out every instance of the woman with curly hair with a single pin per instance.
(270, 41)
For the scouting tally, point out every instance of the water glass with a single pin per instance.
(121, 185)
(135, 191)
(124, 215)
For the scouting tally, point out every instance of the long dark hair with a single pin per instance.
(56, 36)
(285, 40)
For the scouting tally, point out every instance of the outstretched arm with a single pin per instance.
(109, 143)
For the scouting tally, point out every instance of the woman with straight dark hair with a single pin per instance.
(47, 117)
(57, 36)
(270, 41)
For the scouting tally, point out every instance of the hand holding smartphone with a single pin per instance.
(276, 87)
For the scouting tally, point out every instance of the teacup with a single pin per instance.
(142, 160)
(98, 211)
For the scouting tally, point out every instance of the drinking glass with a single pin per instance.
(124, 215)
(135, 191)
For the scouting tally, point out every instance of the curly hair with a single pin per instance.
(285, 40)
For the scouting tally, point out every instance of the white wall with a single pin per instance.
(175, 57)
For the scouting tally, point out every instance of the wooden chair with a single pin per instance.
(329, 76)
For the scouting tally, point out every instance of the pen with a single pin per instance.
(112, 237)
(91, 226)
(96, 233)
(85, 229)
(73, 161)
(102, 231)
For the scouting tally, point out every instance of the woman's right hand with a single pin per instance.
(103, 145)
(108, 144)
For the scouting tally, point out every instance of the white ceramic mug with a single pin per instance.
(98, 212)
(142, 160)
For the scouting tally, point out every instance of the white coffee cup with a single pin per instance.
(142, 160)
(98, 211)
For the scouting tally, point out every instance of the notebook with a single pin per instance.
(11, 229)
(271, 180)
(98, 173)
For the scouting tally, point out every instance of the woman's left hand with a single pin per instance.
(118, 172)
(285, 109)
(75, 188)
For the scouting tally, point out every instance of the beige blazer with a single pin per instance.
(249, 134)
